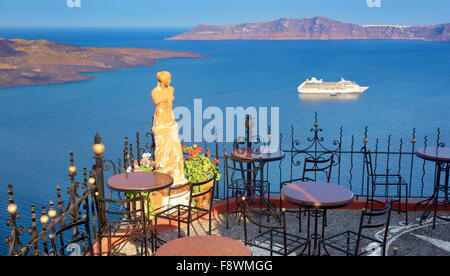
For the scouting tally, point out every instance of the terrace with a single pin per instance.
(254, 194)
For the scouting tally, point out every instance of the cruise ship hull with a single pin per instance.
(360, 89)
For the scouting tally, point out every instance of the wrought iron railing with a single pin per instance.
(51, 236)
(390, 156)
(65, 229)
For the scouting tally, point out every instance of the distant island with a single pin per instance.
(317, 28)
(36, 62)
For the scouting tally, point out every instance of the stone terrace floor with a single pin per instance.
(411, 240)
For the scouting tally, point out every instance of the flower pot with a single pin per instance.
(204, 200)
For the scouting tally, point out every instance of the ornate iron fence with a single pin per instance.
(391, 155)
(60, 229)
(65, 229)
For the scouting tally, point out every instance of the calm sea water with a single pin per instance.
(409, 88)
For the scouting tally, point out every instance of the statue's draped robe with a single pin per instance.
(168, 152)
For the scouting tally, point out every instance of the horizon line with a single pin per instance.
(224, 24)
(90, 26)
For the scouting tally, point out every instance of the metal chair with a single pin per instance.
(242, 179)
(350, 242)
(313, 168)
(129, 223)
(79, 242)
(189, 213)
(275, 239)
(386, 180)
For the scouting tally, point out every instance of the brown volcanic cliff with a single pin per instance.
(317, 28)
(34, 62)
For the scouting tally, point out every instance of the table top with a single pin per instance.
(436, 154)
(317, 195)
(256, 154)
(138, 182)
(204, 246)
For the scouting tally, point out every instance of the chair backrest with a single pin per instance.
(381, 213)
(198, 190)
(241, 169)
(129, 208)
(256, 217)
(250, 213)
(369, 164)
(313, 166)
(71, 239)
(371, 176)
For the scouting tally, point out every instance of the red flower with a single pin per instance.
(199, 149)
(208, 154)
(191, 152)
(216, 161)
(183, 147)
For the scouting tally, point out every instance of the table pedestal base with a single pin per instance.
(315, 239)
(433, 202)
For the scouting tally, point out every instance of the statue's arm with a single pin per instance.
(171, 93)
(158, 97)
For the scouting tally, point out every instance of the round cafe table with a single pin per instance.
(316, 196)
(257, 155)
(441, 157)
(140, 183)
(204, 246)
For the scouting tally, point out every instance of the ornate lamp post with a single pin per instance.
(98, 148)
(249, 124)
(14, 239)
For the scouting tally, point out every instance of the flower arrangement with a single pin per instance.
(198, 166)
(147, 165)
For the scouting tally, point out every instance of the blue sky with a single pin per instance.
(216, 12)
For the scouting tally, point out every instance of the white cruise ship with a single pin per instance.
(315, 86)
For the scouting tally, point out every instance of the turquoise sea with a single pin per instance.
(409, 88)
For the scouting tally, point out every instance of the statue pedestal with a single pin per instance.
(179, 194)
(162, 200)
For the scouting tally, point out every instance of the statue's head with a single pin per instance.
(164, 77)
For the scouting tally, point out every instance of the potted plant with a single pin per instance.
(199, 167)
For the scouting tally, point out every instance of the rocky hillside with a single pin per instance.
(34, 62)
(317, 28)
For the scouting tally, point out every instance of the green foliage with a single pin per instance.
(150, 208)
(146, 169)
(198, 166)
